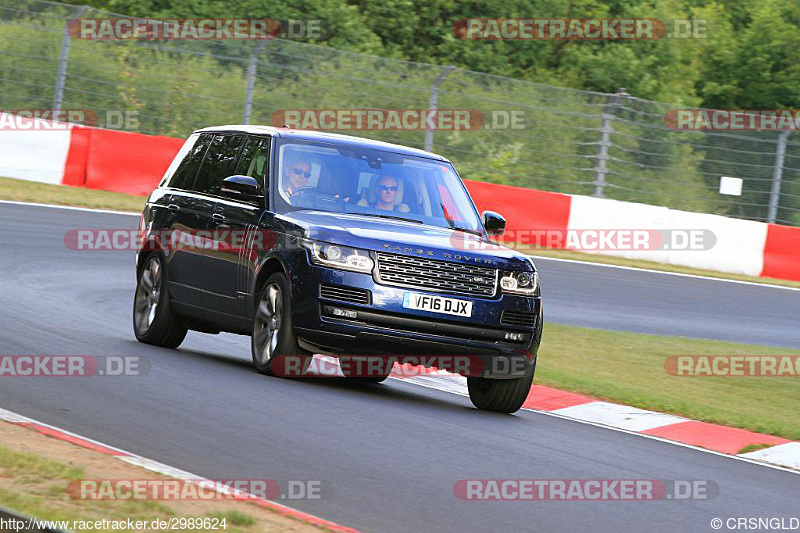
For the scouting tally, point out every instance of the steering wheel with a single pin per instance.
(302, 190)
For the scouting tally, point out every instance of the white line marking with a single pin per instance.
(177, 473)
(14, 418)
(89, 209)
(786, 454)
(537, 257)
(431, 383)
(8, 416)
(681, 274)
(160, 468)
(153, 466)
(620, 416)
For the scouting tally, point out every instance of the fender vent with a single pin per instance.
(517, 318)
(345, 294)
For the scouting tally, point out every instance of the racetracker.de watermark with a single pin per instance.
(401, 366)
(733, 365)
(203, 490)
(224, 240)
(196, 29)
(72, 365)
(395, 119)
(569, 29)
(584, 489)
(65, 119)
(596, 240)
(732, 119)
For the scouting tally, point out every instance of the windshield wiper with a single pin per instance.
(392, 217)
(465, 230)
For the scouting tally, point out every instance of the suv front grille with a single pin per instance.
(433, 275)
(344, 294)
(518, 318)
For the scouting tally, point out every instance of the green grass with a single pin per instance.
(45, 193)
(236, 518)
(629, 368)
(32, 468)
(753, 448)
(40, 491)
(36, 486)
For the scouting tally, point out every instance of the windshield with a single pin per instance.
(372, 182)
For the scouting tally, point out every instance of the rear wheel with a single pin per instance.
(274, 345)
(153, 320)
(501, 395)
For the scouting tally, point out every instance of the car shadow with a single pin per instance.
(391, 390)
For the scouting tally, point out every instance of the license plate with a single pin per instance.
(437, 304)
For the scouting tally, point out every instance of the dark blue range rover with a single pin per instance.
(330, 244)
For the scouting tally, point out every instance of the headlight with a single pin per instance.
(524, 283)
(337, 256)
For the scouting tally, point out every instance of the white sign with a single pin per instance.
(730, 186)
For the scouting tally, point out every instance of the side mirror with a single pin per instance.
(494, 223)
(240, 186)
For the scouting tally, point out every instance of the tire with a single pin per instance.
(153, 319)
(347, 369)
(273, 335)
(501, 395)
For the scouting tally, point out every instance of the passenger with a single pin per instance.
(386, 195)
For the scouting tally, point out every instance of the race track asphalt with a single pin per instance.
(392, 452)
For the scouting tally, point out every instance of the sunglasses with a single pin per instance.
(388, 188)
(301, 172)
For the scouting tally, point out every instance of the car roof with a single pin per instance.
(320, 136)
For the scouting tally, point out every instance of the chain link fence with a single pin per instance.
(609, 145)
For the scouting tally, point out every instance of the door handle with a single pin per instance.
(218, 218)
(174, 207)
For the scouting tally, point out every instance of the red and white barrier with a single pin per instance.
(134, 163)
(35, 153)
(782, 252)
(523, 209)
(67, 154)
(738, 248)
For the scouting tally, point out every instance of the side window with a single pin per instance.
(179, 157)
(253, 159)
(219, 163)
(183, 178)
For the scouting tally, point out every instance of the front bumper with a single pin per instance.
(384, 327)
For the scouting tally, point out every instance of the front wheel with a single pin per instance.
(501, 395)
(153, 320)
(274, 345)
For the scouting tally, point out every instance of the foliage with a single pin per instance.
(749, 57)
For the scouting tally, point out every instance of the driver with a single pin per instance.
(296, 173)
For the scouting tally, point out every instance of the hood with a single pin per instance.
(405, 238)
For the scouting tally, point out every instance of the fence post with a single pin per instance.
(433, 103)
(251, 80)
(61, 76)
(777, 175)
(605, 142)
